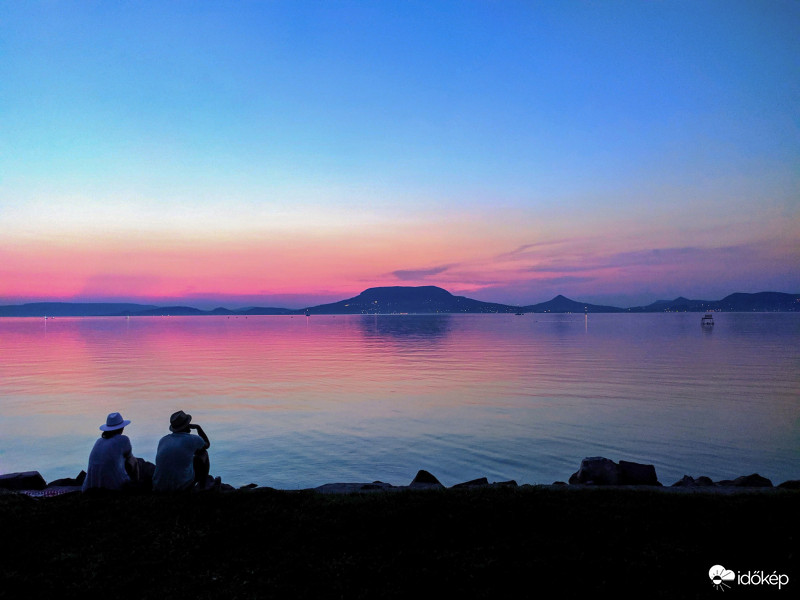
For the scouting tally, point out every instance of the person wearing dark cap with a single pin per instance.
(112, 465)
(181, 458)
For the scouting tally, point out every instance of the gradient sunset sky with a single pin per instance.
(292, 153)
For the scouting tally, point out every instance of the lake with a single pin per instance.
(296, 402)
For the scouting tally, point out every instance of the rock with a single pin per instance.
(146, 472)
(212, 484)
(352, 488)
(792, 484)
(368, 487)
(425, 480)
(480, 482)
(596, 470)
(631, 473)
(510, 483)
(249, 486)
(685, 481)
(754, 480)
(425, 477)
(26, 480)
(69, 482)
(688, 481)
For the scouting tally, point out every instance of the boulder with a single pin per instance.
(631, 473)
(26, 480)
(596, 470)
(424, 480)
(352, 488)
(687, 481)
(68, 481)
(792, 484)
(511, 483)
(754, 480)
(480, 482)
(375, 485)
(423, 476)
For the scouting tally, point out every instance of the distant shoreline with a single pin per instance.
(422, 300)
(385, 314)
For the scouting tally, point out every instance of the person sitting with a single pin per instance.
(112, 465)
(182, 458)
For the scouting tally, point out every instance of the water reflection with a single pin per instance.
(430, 327)
(293, 402)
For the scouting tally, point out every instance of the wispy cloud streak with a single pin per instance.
(420, 274)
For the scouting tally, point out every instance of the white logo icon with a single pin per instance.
(719, 575)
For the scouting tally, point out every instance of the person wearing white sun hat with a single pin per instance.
(112, 465)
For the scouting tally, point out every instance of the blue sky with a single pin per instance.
(293, 152)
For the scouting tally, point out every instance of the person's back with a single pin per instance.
(175, 462)
(109, 455)
(181, 458)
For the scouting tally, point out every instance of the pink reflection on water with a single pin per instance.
(289, 400)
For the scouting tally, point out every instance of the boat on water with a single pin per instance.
(707, 320)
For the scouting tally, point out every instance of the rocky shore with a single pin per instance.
(593, 471)
(609, 529)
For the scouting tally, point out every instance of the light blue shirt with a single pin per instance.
(175, 461)
(107, 463)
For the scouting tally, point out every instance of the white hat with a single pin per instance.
(114, 421)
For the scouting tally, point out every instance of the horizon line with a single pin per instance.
(171, 303)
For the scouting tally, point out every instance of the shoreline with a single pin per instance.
(594, 472)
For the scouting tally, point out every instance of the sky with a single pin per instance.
(290, 153)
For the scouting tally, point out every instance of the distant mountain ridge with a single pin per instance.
(407, 299)
(72, 309)
(738, 302)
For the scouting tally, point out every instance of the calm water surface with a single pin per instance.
(298, 402)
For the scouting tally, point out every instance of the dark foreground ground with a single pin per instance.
(484, 543)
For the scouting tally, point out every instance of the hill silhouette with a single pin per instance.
(561, 304)
(407, 299)
(73, 309)
(738, 302)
